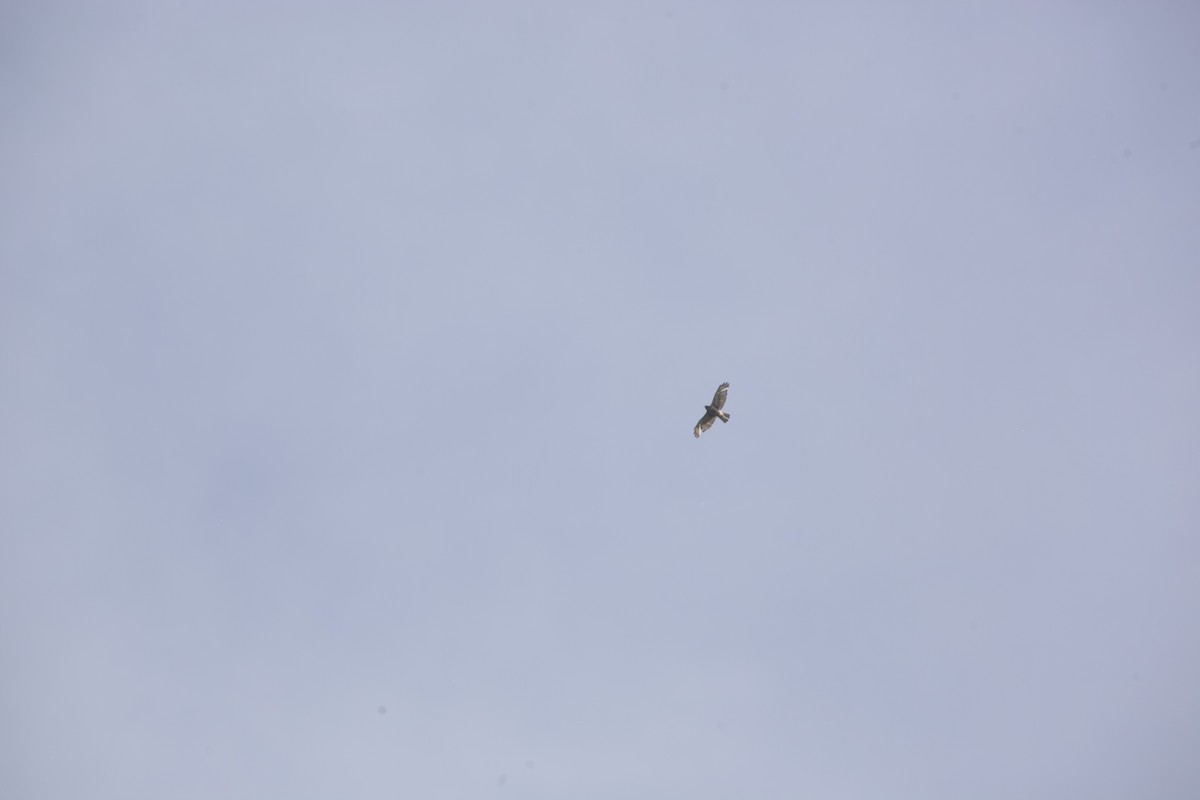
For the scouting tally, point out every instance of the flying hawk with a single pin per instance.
(713, 412)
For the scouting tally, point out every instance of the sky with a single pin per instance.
(350, 353)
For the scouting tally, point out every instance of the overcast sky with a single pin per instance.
(350, 355)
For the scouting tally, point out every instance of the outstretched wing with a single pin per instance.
(719, 398)
(704, 424)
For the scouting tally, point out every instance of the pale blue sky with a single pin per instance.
(350, 355)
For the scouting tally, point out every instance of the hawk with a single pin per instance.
(713, 412)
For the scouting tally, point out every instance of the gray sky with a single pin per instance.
(350, 355)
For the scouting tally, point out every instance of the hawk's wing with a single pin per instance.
(704, 424)
(719, 398)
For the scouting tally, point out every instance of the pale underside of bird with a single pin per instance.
(713, 412)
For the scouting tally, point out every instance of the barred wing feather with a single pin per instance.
(719, 398)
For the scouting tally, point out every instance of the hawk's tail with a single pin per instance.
(724, 417)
